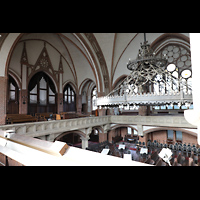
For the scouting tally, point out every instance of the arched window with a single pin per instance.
(69, 97)
(94, 98)
(179, 65)
(13, 97)
(42, 94)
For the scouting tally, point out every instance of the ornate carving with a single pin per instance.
(24, 57)
(43, 63)
(60, 69)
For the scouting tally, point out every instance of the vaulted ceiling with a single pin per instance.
(101, 57)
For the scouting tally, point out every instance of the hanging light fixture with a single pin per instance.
(148, 69)
(146, 66)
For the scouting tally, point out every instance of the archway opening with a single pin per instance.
(69, 97)
(42, 96)
(88, 91)
(94, 136)
(123, 133)
(13, 96)
(72, 139)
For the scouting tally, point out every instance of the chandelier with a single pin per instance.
(146, 65)
(147, 70)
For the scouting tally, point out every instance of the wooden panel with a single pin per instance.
(11, 162)
(13, 107)
(6, 161)
(2, 159)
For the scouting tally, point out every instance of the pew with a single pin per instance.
(155, 157)
(149, 160)
(71, 115)
(19, 118)
(43, 116)
(117, 139)
(160, 162)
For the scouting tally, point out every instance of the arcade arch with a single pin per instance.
(71, 137)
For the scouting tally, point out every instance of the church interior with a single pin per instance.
(99, 99)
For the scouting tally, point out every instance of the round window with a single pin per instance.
(171, 67)
(186, 73)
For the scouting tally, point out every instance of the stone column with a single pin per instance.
(140, 130)
(79, 103)
(23, 102)
(59, 102)
(23, 95)
(85, 141)
(50, 137)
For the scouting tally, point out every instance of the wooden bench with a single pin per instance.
(117, 139)
(71, 115)
(19, 118)
(44, 116)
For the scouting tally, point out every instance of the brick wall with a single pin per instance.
(187, 138)
(3, 84)
(23, 102)
(161, 136)
(59, 102)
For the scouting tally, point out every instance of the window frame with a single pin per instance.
(37, 93)
(69, 94)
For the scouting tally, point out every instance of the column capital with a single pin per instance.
(106, 128)
(87, 137)
(87, 131)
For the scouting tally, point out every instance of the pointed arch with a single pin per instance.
(48, 74)
(83, 84)
(13, 96)
(72, 84)
(169, 38)
(42, 94)
(15, 77)
(85, 91)
(69, 98)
